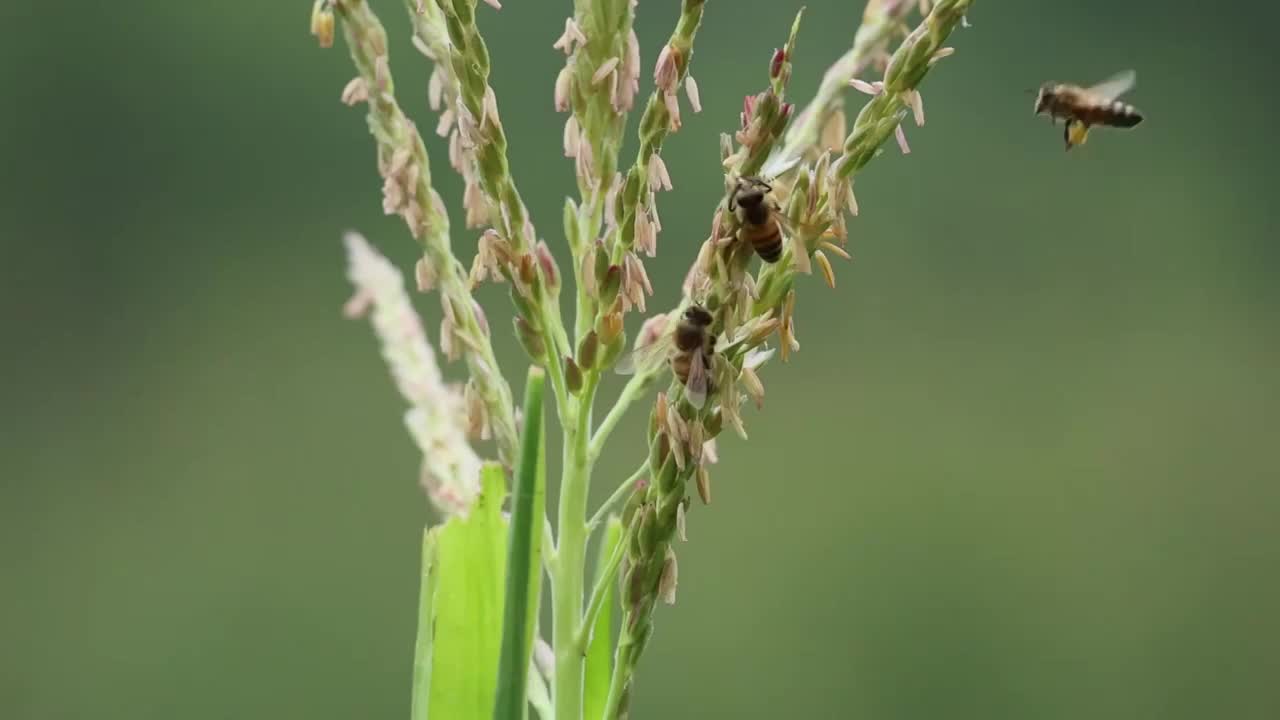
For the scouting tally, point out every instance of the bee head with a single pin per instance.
(698, 315)
(1044, 96)
(750, 192)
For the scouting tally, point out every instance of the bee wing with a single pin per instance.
(696, 387)
(779, 163)
(1114, 86)
(645, 357)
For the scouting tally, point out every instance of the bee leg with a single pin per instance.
(1072, 133)
(1077, 133)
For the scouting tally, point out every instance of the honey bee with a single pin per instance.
(1082, 108)
(759, 216)
(688, 345)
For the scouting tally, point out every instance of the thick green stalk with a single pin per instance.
(520, 606)
(570, 566)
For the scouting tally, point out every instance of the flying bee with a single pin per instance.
(1082, 108)
(687, 344)
(759, 216)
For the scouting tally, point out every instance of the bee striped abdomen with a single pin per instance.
(766, 239)
(681, 362)
(1112, 114)
(757, 214)
(680, 366)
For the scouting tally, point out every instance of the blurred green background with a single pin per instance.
(1025, 466)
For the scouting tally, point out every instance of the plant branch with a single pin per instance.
(746, 310)
(567, 582)
(637, 387)
(880, 21)
(624, 490)
(881, 116)
(657, 122)
(404, 165)
(447, 33)
(600, 592)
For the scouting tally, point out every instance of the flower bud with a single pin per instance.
(658, 418)
(528, 269)
(561, 94)
(523, 307)
(572, 375)
(713, 424)
(547, 263)
(355, 92)
(634, 501)
(610, 327)
(776, 64)
(613, 350)
(635, 583)
(828, 273)
(610, 285)
(570, 220)
(529, 339)
(704, 484)
(587, 350)
(322, 22)
(482, 321)
(424, 274)
(646, 531)
(601, 263)
(762, 331)
(667, 70)
(667, 583)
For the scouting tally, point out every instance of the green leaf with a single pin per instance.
(524, 559)
(460, 612)
(596, 683)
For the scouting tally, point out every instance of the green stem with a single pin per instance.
(619, 496)
(520, 606)
(555, 368)
(622, 668)
(590, 215)
(570, 566)
(600, 592)
(635, 388)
